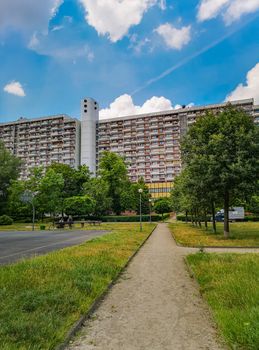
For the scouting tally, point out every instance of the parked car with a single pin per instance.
(235, 214)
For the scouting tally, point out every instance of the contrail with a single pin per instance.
(191, 57)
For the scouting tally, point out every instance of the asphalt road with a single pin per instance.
(16, 245)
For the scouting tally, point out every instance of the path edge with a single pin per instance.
(221, 341)
(78, 324)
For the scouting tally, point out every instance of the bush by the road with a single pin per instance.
(182, 217)
(134, 218)
(6, 220)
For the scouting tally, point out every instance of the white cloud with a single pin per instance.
(137, 44)
(173, 37)
(27, 15)
(124, 106)
(56, 28)
(115, 17)
(51, 45)
(238, 8)
(15, 88)
(248, 90)
(210, 9)
(163, 4)
(231, 10)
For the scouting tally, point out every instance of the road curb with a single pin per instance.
(78, 324)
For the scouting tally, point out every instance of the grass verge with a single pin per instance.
(242, 234)
(229, 283)
(41, 298)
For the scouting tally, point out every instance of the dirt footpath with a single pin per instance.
(154, 306)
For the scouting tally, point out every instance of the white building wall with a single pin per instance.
(89, 119)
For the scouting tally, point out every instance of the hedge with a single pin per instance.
(182, 217)
(251, 218)
(133, 218)
(6, 220)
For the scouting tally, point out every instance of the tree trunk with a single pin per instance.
(226, 214)
(192, 218)
(205, 220)
(199, 218)
(195, 218)
(213, 217)
(186, 216)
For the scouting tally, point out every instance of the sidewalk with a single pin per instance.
(154, 306)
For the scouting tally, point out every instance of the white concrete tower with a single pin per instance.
(89, 118)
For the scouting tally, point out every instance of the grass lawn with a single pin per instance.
(28, 226)
(242, 234)
(20, 227)
(41, 298)
(230, 284)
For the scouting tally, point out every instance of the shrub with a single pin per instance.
(134, 218)
(251, 218)
(182, 217)
(6, 220)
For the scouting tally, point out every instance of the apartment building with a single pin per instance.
(256, 114)
(42, 141)
(150, 143)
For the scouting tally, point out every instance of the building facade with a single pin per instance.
(149, 143)
(89, 121)
(42, 141)
(256, 114)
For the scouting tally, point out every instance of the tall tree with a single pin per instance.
(50, 189)
(113, 171)
(79, 205)
(9, 170)
(145, 196)
(74, 180)
(221, 153)
(97, 188)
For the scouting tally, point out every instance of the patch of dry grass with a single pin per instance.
(243, 234)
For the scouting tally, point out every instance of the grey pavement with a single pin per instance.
(15, 245)
(154, 306)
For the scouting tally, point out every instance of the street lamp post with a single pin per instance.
(150, 219)
(140, 191)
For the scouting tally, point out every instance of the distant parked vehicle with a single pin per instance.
(235, 214)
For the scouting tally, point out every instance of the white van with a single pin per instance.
(235, 214)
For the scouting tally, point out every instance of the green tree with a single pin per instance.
(16, 208)
(97, 188)
(9, 170)
(50, 192)
(162, 206)
(79, 205)
(113, 171)
(221, 153)
(145, 196)
(74, 180)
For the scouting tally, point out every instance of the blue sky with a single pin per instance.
(131, 56)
